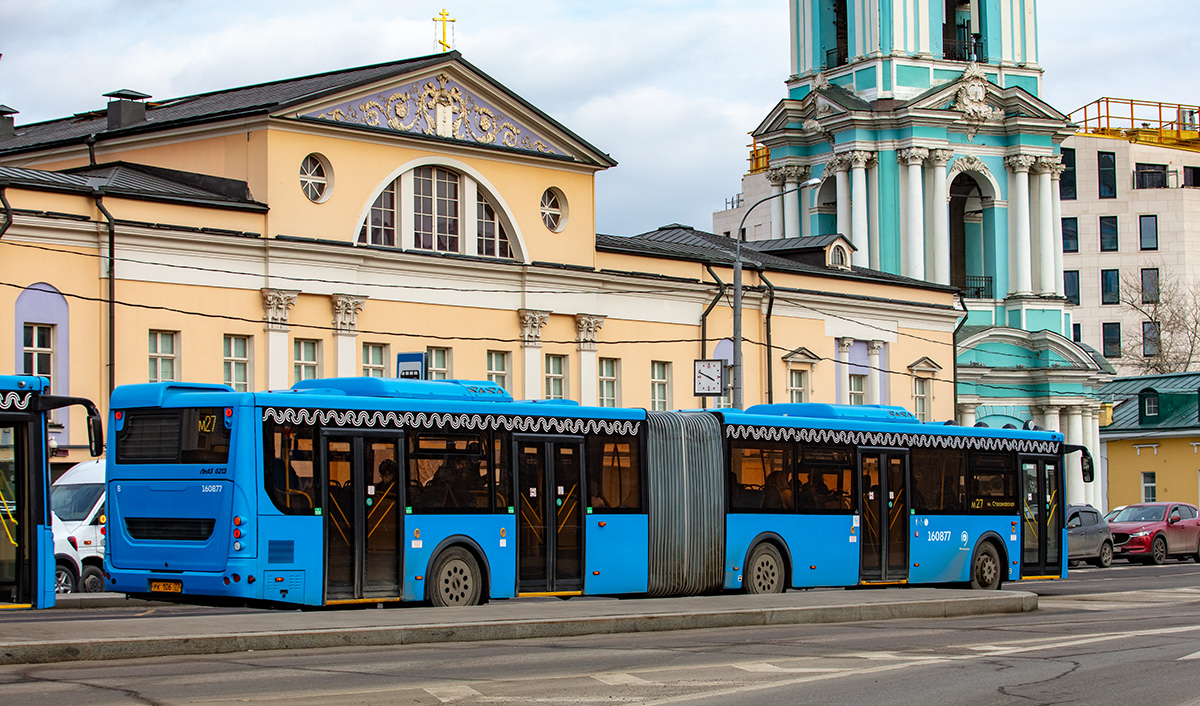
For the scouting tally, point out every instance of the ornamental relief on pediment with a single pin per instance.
(438, 106)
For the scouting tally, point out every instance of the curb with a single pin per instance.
(480, 631)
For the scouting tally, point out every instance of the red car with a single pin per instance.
(1151, 532)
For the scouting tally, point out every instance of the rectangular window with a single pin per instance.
(1070, 228)
(1191, 176)
(1150, 338)
(556, 377)
(993, 484)
(190, 435)
(449, 473)
(1148, 228)
(1110, 286)
(762, 475)
(497, 368)
(38, 351)
(1150, 176)
(921, 398)
(305, 361)
(660, 386)
(725, 401)
(435, 209)
(614, 473)
(380, 226)
(1077, 332)
(437, 363)
(1150, 285)
(374, 360)
(1066, 184)
(797, 385)
(1149, 488)
(1109, 240)
(826, 479)
(1107, 164)
(1151, 405)
(938, 479)
(858, 389)
(608, 383)
(236, 350)
(162, 356)
(1071, 286)
(1111, 345)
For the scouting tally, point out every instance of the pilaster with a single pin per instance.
(277, 303)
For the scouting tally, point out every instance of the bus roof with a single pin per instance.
(856, 417)
(22, 383)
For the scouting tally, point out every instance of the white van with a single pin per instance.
(77, 499)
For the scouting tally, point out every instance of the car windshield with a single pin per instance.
(1134, 513)
(73, 502)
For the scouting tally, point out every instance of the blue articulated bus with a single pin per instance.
(369, 490)
(27, 569)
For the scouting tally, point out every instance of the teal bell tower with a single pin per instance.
(940, 162)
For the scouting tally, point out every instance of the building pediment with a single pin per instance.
(983, 103)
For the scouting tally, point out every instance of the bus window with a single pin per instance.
(288, 469)
(448, 473)
(174, 436)
(614, 474)
(993, 484)
(501, 475)
(764, 476)
(826, 476)
(938, 480)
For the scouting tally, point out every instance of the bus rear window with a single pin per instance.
(174, 436)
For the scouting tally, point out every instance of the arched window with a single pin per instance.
(837, 257)
(491, 237)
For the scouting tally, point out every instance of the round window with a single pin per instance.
(554, 209)
(316, 178)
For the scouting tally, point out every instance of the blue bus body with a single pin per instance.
(362, 490)
(27, 564)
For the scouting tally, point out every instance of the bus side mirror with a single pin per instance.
(1089, 474)
(95, 436)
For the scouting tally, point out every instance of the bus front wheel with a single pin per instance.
(764, 571)
(985, 568)
(457, 580)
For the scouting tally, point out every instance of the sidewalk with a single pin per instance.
(134, 629)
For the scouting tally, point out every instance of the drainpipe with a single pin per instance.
(963, 301)
(8, 212)
(770, 348)
(704, 317)
(98, 194)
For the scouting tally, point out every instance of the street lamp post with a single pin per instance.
(737, 291)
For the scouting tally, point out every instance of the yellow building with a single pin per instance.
(326, 225)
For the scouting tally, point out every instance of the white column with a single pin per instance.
(1055, 184)
(843, 369)
(914, 252)
(532, 322)
(1044, 169)
(791, 202)
(1051, 421)
(966, 414)
(874, 379)
(468, 224)
(941, 216)
(346, 308)
(276, 305)
(1076, 494)
(586, 328)
(1021, 280)
(842, 175)
(806, 209)
(859, 201)
(775, 178)
(1092, 424)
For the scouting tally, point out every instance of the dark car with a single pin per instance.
(1152, 532)
(1088, 536)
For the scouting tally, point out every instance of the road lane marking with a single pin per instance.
(1194, 655)
(450, 694)
(768, 668)
(618, 679)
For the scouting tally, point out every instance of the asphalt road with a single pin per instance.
(1127, 635)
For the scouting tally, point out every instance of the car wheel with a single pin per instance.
(1104, 558)
(1072, 563)
(985, 568)
(764, 571)
(64, 579)
(92, 580)
(1196, 556)
(1158, 551)
(457, 580)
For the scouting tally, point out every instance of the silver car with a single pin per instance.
(1088, 536)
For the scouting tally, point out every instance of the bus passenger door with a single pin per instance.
(363, 517)
(1041, 520)
(550, 519)
(17, 566)
(883, 510)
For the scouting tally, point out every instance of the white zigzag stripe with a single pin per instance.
(15, 400)
(892, 439)
(428, 420)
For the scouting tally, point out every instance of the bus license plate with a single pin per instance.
(166, 587)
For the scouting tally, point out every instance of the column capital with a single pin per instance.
(912, 155)
(586, 328)
(276, 305)
(844, 344)
(345, 312)
(1046, 164)
(796, 173)
(838, 163)
(1056, 171)
(532, 321)
(776, 176)
(940, 158)
(1019, 162)
(874, 347)
(967, 407)
(860, 159)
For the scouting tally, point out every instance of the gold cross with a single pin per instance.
(445, 18)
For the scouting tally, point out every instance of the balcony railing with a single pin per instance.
(974, 286)
(968, 49)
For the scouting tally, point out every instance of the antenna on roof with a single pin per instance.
(445, 18)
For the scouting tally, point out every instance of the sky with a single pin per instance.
(668, 88)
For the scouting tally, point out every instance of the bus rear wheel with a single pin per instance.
(764, 571)
(457, 580)
(985, 568)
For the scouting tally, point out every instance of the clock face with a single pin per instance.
(709, 379)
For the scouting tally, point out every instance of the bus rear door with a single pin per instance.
(363, 517)
(550, 518)
(1041, 517)
(884, 511)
